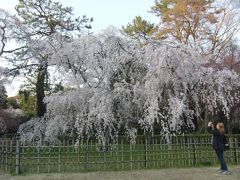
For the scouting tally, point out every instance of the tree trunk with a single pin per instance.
(41, 106)
(206, 120)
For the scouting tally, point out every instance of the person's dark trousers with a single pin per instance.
(220, 156)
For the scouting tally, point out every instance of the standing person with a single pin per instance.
(218, 141)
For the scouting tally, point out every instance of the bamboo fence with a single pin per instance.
(146, 153)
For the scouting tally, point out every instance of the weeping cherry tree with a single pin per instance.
(120, 88)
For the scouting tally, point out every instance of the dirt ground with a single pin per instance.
(203, 173)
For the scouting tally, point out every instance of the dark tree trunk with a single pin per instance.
(40, 87)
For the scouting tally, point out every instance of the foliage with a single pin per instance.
(140, 29)
(29, 104)
(10, 28)
(8, 25)
(10, 119)
(46, 17)
(207, 25)
(179, 78)
(12, 102)
(48, 24)
(120, 87)
(3, 97)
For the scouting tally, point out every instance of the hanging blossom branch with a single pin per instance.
(131, 88)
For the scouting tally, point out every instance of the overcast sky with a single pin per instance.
(104, 13)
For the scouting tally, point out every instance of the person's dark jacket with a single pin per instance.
(218, 140)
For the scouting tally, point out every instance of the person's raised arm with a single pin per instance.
(211, 128)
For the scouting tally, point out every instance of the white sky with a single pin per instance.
(104, 13)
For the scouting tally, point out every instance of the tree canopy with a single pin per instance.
(209, 26)
(121, 88)
(48, 24)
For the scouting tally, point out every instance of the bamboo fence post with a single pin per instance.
(146, 153)
(6, 157)
(1, 154)
(11, 155)
(153, 163)
(49, 159)
(117, 155)
(28, 158)
(86, 156)
(138, 149)
(177, 150)
(38, 159)
(131, 158)
(78, 154)
(99, 159)
(67, 159)
(156, 152)
(161, 153)
(200, 150)
(235, 150)
(194, 151)
(59, 157)
(122, 160)
(183, 152)
(73, 155)
(189, 140)
(90, 159)
(23, 153)
(17, 169)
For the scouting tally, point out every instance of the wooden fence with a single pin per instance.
(154, 152)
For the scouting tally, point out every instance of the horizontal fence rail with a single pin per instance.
(154, 152)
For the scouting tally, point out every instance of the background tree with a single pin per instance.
(207, 25)
(140, 29)
(3, 97)
(48, 23)
(9, 27)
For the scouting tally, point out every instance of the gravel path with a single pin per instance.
(204, 173)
